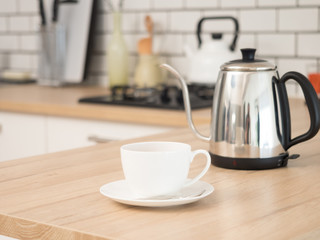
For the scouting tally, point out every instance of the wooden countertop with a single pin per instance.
(56, 196)
(64, 102)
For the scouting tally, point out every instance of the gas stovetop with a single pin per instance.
(165, 97)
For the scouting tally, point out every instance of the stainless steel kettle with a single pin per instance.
(250, 125)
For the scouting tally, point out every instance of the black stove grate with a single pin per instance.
(166, 97)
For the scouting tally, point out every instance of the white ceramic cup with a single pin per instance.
(159, 168)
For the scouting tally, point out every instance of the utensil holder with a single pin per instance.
(147, 73)
(52, 57)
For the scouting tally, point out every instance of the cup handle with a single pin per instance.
(206, 168)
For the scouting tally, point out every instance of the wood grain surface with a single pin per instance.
(63, 102)
(56, 196)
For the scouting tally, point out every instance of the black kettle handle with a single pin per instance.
(236, 30)
(312, 102)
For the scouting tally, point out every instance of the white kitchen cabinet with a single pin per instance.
(24, 135)
(21, 135)
(68, 133)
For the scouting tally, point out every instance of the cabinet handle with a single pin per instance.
(96, 139)
(0, 128)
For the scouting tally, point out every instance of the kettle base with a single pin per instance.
(250, 163)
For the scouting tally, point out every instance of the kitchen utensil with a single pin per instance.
(205, 62)
(52, 55)
(149, 25)
(120, 191)
(251, 126)
(55, 8)
(159, 168)
(145, 44)
(42, 13)
(147, 73)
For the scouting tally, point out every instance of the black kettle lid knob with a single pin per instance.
(248, 54)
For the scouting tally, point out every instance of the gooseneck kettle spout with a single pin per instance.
(186, 101)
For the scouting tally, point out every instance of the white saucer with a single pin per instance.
(119, 191)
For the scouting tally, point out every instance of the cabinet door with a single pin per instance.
(68, 133)
(21, 135)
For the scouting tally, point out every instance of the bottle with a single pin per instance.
(117, 55)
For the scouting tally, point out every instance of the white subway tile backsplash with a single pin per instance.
(133, 61)
(276, 44)
(169, 43)
(130, 22)
(160, 21)
(266, 58)
(28, 6)
(273, 3)
(298, 19)
(9, 42)
(159, 44)
(201, 3)
(246, 41)
(19, 24)
(132, 42)
(4, 61)
(237, 3)
(111, 5)
(29, 42)
(34, 62)
(20, 61)
(102, 41)
(191, 41)
(184, 21)
(181, 64)
(258, 20)
(309, 3)
(167, 4)
(3, 24)
(8, 6)
(309, 45)
(293, 64)
(137, 5)
(35, 23)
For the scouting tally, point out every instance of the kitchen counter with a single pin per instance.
(56, 196)
(63, 102)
